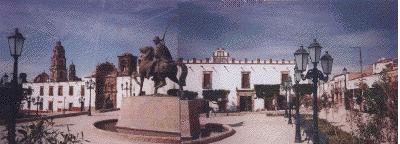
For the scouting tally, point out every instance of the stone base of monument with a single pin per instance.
(164, 116)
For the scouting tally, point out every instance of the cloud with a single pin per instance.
(275, 30)
(97, 30)
(90, 31)
(197, 23)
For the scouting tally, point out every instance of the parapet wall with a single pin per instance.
(234, 61)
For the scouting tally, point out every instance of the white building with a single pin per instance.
(59, 95)
(336, 86)
(221, 72)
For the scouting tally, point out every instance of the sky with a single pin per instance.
(95, 31)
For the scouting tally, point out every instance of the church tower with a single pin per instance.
(72, 73)
(58, 70)
(126, 64)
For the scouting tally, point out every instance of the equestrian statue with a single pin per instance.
(159, 64)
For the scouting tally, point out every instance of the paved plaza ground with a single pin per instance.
(256, 128)
(252, 128)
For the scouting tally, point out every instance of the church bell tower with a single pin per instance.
(58, 70)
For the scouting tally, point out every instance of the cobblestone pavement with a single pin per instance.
(256, 128)
(251, 128)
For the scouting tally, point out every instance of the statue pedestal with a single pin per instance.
(166, 115)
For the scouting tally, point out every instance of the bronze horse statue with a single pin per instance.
(160, 71)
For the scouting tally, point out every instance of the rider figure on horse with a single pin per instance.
(161, 55)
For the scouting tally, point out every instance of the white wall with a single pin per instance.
(58, 101)
(148, 87)
(228, 77)
(224, 76)
(351, 84)
(258, 104)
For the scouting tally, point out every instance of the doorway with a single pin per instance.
(70, 105)
(50, 106)
(245, 103)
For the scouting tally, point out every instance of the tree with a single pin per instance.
(11, 97)
(218, 96)
(267, 92)
(381, 103)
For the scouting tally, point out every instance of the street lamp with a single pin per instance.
(301, 57)
(4, 79)
(29, 100)
(346, 100)
(90, 85)
(125, 89)
(297, 79)
(314, 74)
(288, 88)
(82, 100)
(39, 101)
(16, 43)
(64, 106)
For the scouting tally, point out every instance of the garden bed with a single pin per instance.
(328, 133)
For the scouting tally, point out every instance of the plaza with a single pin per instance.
(254, 127)
(198, 71)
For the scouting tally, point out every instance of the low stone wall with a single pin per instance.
(107, 127)
(229, 131)
(108, 110)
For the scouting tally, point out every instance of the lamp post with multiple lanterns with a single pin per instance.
(90, 85)
(301, 58)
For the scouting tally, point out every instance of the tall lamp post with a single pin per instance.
(39, 101)
(29, 100)
(344, 72)
(90, 85)
(297, 79)
(125, 89)
(287, 86)
(16, 43)
(82, 101)
(314, 74)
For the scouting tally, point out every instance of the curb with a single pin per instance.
(158, 139)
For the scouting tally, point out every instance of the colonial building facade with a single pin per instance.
(60, 90)
(58, 96)
(220, 71)
(335, 88)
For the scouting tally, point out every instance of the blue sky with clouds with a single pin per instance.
(93, 31)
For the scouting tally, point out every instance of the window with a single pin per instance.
(60, 90)
(51, 90)
(284, 76)
(71, 90)
(41, 90)
(207, 80)
(245, 79)
(29, 92)
(82, 90)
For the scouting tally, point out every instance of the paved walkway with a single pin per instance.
(252, 128)
(256, 128)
